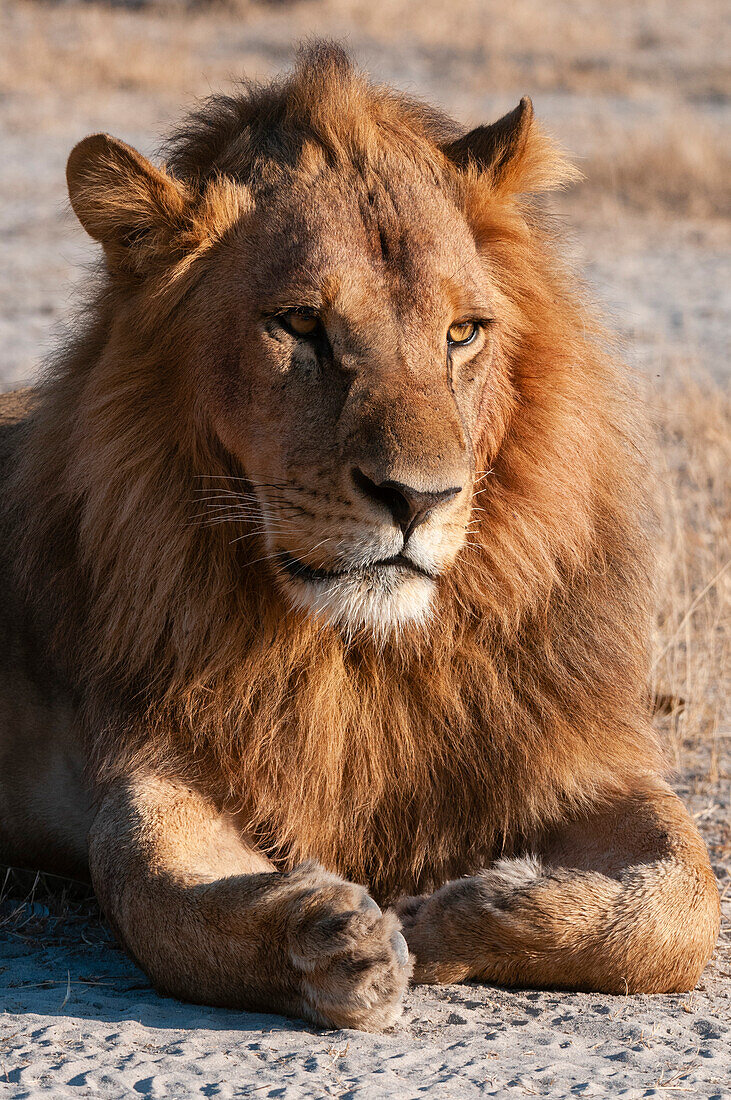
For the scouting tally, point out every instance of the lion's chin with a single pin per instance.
(380, 601)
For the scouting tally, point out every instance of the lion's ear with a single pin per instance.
(491, 148)
(513, 153)
(123, 201)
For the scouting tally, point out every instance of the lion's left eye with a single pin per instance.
(300, 322)
(462, 332)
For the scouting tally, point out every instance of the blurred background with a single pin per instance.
(638, 92)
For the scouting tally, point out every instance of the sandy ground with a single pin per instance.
(76, 1017)
(82, 1021)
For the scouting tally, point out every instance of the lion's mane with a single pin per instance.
(399, 763)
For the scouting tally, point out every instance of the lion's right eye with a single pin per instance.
(300, 322)
(461, 333)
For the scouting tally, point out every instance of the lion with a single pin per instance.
(328, 574)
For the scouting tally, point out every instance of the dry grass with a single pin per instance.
(691, 643)
(35, 904)
(579, 46)
(667, 153)
(679, 167)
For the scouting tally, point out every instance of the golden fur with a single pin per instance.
(404, 757)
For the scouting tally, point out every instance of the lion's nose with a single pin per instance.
(408, 506)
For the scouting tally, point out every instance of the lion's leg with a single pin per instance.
(620, 901)
(211, 920)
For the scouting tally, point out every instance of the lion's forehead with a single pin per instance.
(367, 236)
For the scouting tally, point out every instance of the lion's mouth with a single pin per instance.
(299, 570)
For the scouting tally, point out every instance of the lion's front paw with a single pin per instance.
(466, 927)
(426, 926)
(352, 959)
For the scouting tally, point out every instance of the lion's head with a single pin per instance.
(341, 328)
(335, 370)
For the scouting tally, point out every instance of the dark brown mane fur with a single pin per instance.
(405, 763)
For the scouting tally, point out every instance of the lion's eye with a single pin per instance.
(462, 332)
(300, 323)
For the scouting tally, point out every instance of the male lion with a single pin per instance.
(327, 563)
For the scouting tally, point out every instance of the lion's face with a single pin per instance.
(309, 284)
(364, 326)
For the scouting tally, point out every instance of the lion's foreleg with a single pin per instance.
(622, 901)
(212, 921)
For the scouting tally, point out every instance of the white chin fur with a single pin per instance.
(379, 603)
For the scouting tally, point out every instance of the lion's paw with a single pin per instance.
(462, 929)
(352, 960)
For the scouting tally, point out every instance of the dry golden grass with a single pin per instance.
(579, 46)
(680, 168)
(691, 643)
(72, 58)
